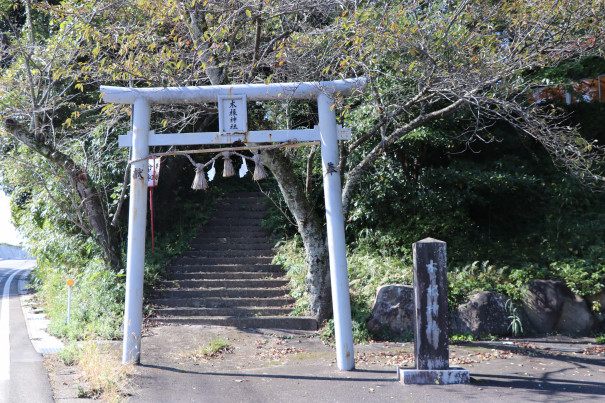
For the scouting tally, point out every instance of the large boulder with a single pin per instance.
(551, 306)
(485, 313)
(393, 311)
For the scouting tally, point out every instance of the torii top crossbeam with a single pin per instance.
(254, 92)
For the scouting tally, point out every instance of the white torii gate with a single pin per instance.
(233, 126)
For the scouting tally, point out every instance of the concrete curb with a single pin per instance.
(36, 322)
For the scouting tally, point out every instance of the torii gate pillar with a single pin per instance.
(143, 98)
(339, 275)
(137, 223)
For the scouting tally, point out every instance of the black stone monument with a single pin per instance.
(431, 342)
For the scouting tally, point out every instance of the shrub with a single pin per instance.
(96, 308)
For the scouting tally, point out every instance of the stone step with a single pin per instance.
(242, 202)
(187, 261)
(244, 195)
(224, 275)
(255, 253)
(235, 246)
(252, 311)
(228, 284)
(231, 228)
(231, 223)
(197, 268)
(258, 209)
(224, 293)
(261, 322)
(283, 301)
(239, 213)
(250, 234)
(227, 278)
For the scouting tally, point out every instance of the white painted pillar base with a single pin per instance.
(339, 275)
(137, 217)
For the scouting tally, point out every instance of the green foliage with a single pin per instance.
(69, 354)
(479, 276)
(291, 255)
(583, 276)
(505, 204)
(514, 203)
(516, 325)
(96, 300)
(359, 318)
(600, 339)
(576, 69)
(462, 338)
(369, 269)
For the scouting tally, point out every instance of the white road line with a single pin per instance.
(5, 349)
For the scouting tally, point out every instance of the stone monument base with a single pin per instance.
(433, 376)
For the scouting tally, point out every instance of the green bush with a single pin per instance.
(464, 281)
(70, 353)
(462, 338)
(291, 254)
(366, 273)
(96, 300)
(98, 293)
(583, 276)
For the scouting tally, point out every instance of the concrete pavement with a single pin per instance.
(275, 366)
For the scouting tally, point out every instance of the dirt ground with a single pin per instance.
(271, 365)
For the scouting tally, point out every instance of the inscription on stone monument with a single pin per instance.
(430, 289)
(431, 346)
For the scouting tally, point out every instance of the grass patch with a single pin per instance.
(69, 354)
(462, 338)
(100, 368)
(214, 349)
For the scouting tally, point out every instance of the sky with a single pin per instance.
(8, 233)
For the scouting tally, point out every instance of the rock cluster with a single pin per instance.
(548, 306)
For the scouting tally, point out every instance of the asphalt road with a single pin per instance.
(23, 377)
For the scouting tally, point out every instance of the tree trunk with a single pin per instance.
(97, 219)
(311, 230)
(78, 177)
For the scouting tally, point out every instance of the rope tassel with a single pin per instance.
(228, 169)
(259, 168)
(200, 181)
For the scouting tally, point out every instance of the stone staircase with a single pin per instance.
(227, 278)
